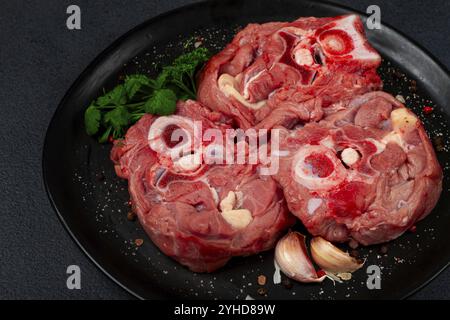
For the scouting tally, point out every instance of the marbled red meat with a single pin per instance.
(366, 173)
(179, 205)
(283, 73)
(359, 165)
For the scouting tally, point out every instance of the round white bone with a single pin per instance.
(238, 219)
(156, 132)
(303, 57)
(310, 181)
(226, 84)
(350, 156)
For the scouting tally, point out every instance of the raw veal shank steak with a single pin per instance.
(354, 162)
(193, 211)
(280, 73)
(366, 173)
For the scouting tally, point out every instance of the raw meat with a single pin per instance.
(358, 164)
(368, 172)
(179, 199)
(284, 73)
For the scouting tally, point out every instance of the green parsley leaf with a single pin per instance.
(182, 71)
(134, 83)
(112, 113)
(161, 80)
(115, 97)
(92, 118)
(162, 102)
(104, 137)
(117, 118)
(193, 58)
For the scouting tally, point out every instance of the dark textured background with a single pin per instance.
(39, 60)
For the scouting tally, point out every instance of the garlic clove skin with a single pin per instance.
(345, 276)
(292, 258)
(332, 259)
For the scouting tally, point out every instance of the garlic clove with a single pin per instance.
(292, 258)
(332, 259)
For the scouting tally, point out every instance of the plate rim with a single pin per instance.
(117, 42)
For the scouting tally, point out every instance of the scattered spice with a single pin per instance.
(353, 244)
(262, 280)
(131, 216)
(427, 109)
(287, 283)
(354, 253)
(397, 74)
(383, 249)
(139, 242)
(100, 177)
(400, 98)
(129, 203)
(438, 143)
(262, 291)
(413, 86)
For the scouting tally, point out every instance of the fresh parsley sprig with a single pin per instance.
(111, 114)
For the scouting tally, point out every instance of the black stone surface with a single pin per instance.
(39, 60)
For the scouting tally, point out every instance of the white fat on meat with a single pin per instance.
(237, 218)
(380, 145)
(228, 202)
(402, 121)
(327, 142)
(294, 30)
(394, 137)
(314, 204)
(227, 84)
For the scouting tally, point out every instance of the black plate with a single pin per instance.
(91, 200)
